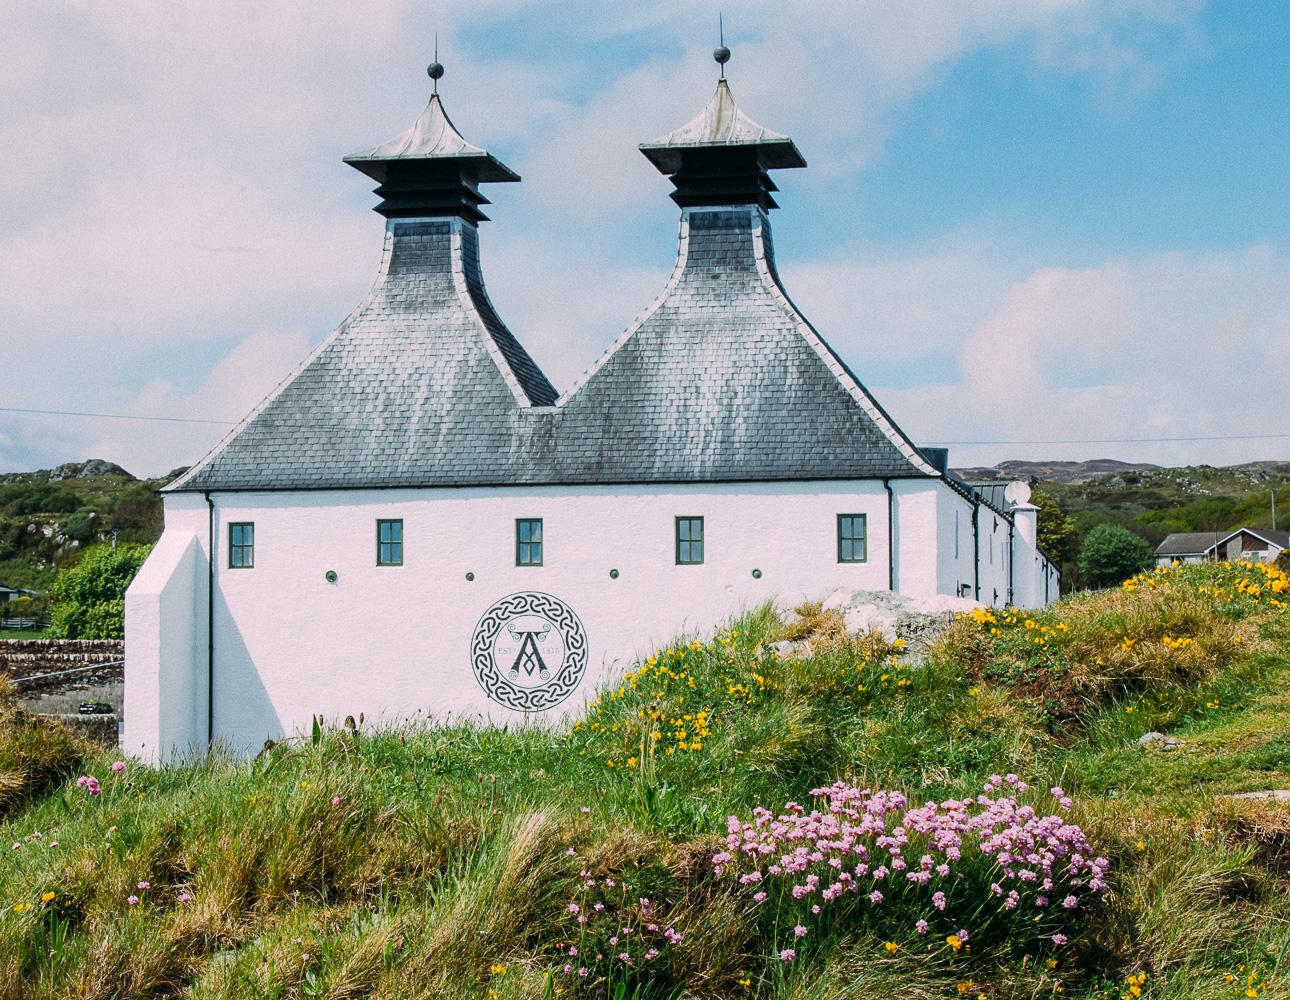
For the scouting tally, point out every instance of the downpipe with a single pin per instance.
(210, 619)
(976, 551)
(891, 536)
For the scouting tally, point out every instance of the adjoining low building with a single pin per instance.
(416, 523)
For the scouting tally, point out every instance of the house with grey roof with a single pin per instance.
(1186, 547)
(417, 523)
(1249, 544)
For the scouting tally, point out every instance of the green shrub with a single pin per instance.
(1111, 554)
(87, 600)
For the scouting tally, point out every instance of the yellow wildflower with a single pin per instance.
(892, 947)
(954, 941)
(45, 897)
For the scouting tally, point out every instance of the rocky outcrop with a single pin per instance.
(917, 621)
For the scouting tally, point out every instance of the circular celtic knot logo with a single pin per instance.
(529, 651)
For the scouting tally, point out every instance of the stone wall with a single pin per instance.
(24, 658)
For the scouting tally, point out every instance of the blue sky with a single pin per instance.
(1032, 221)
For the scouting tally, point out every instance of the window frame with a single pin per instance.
(863, 538)
(701, 541)
(520, 542)
(242, 548)
(391, 542)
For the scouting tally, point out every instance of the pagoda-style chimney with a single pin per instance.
(722, 157)
(429, 170)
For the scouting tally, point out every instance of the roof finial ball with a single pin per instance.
(721, 54)
(435, 69)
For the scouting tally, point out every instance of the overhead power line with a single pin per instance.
(1010, 441)
(114, 416)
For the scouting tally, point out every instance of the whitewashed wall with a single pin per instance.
(393, 642)
(165, 636)
(954, 544)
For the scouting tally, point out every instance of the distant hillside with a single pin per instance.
(1054, 472)
(1153, 500)
(48, 516)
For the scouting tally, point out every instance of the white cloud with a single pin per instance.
(237, 383)
(1170, 345)
(172, 176)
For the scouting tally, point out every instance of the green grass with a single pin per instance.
(23, 633)
(442, 871)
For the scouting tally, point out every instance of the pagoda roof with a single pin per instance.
(432, 136)
(722, 125)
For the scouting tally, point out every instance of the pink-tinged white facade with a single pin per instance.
(416, 525)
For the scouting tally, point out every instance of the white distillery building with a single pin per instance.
(416, 520)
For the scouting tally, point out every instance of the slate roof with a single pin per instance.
(423, 384)
(1186, 543)
(721, 379)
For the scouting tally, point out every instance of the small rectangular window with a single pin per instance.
(689, 541)
(528, 542)
(389, 543)
(853, 538)
(241, 545)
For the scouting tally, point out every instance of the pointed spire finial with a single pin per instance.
(721, 54)
(435, 69)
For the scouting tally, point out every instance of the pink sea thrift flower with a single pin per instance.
(787, 955)
(118, 766)
(921, 927)
(132, 900)
(184, 897)
(145, 885)
(1059, 939)
(335, 800)
(799, 931)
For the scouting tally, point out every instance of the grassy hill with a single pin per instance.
(498, 863)
(49, 516)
